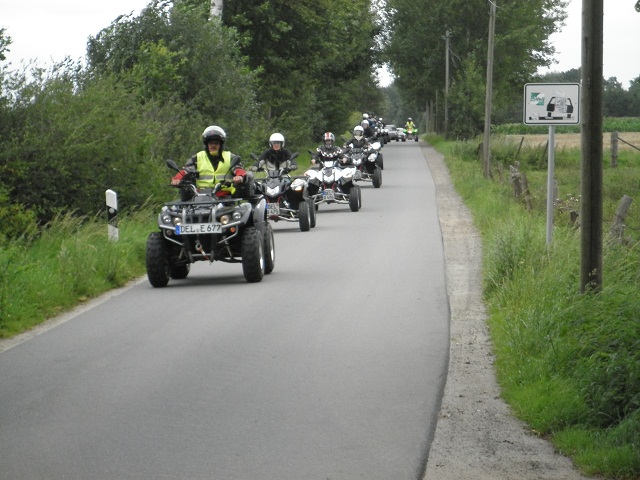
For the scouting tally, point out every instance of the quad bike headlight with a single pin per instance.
(272, 192)
(224, 219)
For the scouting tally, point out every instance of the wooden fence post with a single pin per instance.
(617, 227)
(614, 149)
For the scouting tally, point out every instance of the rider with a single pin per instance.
(328, 150)
(276, 156)
(213, 163)
(409, 125)
(358, 140)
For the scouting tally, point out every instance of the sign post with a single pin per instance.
(112, 214)
(551, 104)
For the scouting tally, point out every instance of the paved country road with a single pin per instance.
(332, 367)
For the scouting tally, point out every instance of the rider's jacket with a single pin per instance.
(355, 143)
(275, 159)
(211, 171)
(410, 125)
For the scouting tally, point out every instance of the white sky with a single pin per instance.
(49, 30)
(621, 41)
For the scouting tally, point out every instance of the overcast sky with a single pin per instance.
(49, 30)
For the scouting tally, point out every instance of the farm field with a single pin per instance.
(572, 140)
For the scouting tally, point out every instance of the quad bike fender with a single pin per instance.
(260, 213)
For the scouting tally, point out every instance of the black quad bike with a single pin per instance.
(365, 161)
(287, 198)
(211, 226)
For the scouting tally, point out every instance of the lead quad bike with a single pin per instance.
(211, 226)
(333, 183)
(287, 198)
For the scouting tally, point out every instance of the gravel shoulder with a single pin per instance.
(477, 437)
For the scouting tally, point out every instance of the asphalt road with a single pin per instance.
(331, 368)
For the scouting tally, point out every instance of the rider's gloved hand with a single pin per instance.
(177, 178)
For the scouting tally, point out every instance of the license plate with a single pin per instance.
(328, 195)
(198, 228)
(273, 209)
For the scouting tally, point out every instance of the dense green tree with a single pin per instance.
(315, 58)
(416, 50)
(175, 52)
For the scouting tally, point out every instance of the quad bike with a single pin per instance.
(211, 226)
(364, 159)
(287, 198)
(333, 183)
(412, 134)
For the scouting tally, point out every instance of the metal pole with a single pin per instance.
(591, 136)
(550, 183)
(446, 88)
(486, 150)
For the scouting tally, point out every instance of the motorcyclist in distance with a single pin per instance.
(409, 124)
(213, 164)
(276, 156)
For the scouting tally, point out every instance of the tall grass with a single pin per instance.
(568, 363)
(68, 262)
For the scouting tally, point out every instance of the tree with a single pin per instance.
(313, 57)
(416, 47)
(178, 52)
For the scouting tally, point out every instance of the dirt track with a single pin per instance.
(476, 437)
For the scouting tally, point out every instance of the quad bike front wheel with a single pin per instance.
(304, 216)
(269, 249)
(157, 260)
(312, 212)
(354, 198)
(253, 264)
(376, 178)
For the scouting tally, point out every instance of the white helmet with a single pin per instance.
(364, 124)
(358, 132)
(365, 115)
(214, 132)
(276, 137)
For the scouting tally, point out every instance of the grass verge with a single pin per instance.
(567, 363)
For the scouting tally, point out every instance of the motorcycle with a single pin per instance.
(287, 198)
(411, 134)
(367, 169)
(211, 226)
(333, 183)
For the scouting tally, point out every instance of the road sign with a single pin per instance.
(551, 104)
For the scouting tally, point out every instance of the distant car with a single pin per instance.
(401, 134)
(392, 131)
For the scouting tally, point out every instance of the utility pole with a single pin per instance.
(446, 87)
(486, 150)
(591, 139)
